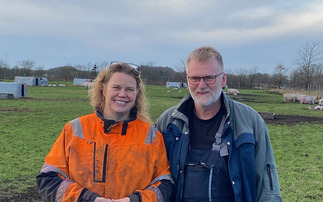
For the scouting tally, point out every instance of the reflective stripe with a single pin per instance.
(157, 192)
(210, 184)
(49, 168)
(152, 133)
(62, 188)
(163, 177)
(77, 128)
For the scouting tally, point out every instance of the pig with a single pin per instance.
(307, 99)
(320, 102)
(233, 91)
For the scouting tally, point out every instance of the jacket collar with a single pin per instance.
(108, 124)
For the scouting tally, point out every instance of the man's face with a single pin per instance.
(203, 94)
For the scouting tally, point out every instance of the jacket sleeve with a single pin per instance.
(49, 186)
(54, 183)
(160, 189)
(266, 172)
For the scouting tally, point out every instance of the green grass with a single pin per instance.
(26, 136)
(161, 98)
(298, 153)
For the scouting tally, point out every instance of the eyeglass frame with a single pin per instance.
(203, 77)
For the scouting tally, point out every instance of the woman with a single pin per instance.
(113, 154)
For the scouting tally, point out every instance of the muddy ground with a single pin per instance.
(291, 120)
(32, 194)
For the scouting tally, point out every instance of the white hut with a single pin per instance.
(170, 84)
(13, 90)
(31, 80)
(81, 82)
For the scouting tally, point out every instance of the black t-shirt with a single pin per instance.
(202, 132)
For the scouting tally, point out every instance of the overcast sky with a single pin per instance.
(249, 33)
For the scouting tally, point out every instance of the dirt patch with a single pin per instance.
(15, 110)
(58, 99)
(292, 120)
(31, 195)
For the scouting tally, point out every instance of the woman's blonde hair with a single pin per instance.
(96, 91)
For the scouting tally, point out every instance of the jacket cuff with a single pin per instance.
(87, 196)
(135, 197)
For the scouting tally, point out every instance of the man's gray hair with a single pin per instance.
(203, 54)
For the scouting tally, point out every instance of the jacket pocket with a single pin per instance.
(270, 177)
(197, 175)
(99, 162)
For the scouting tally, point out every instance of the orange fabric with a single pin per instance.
(130, 165)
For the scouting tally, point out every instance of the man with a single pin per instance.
(219, 149)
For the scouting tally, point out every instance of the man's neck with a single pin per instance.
(208, 112)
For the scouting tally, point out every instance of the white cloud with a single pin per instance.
(254, 25)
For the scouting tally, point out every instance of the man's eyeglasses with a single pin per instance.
(210, 79)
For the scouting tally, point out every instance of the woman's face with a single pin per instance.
(120, 95)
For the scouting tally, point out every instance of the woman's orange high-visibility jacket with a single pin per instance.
(93, 157)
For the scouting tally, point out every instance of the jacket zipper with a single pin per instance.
(270, 178)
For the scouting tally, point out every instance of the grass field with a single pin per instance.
(29, 127)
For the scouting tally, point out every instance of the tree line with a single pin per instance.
(307, 76)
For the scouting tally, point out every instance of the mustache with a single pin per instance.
(202, 91)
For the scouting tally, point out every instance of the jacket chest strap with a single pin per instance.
(219, 145)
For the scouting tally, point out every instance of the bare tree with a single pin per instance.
(181, 66)
(279, 75)
(3, 63)
(67, 73)
(296, 79)
(307, 60)
(103, 65)
(242, 78)
(252, 74)
(180, 69)
(26, 67)
(319, 75)
(4, 70)
(39, 71)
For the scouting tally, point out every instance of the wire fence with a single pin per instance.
(315, 88)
